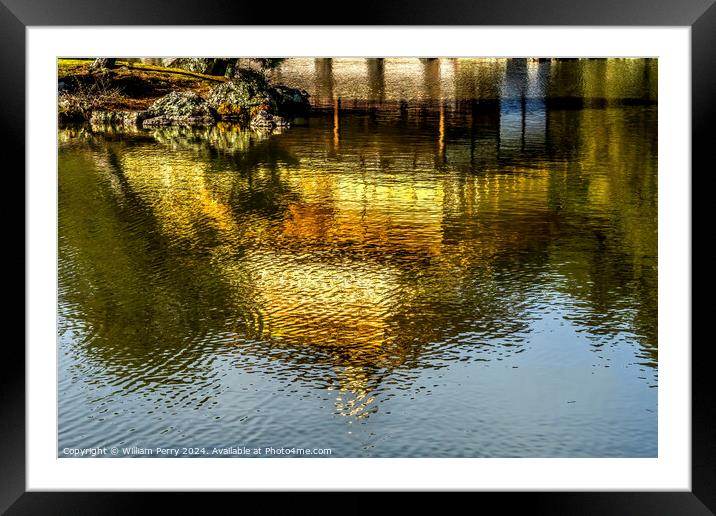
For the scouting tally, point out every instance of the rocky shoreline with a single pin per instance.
(246, 98)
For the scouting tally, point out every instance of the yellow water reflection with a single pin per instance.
(308, 293)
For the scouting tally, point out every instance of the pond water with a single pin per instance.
(448, 258)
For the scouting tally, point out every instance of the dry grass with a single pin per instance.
(86, 97)
(137, 85)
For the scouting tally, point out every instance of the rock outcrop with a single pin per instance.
(248, 98)
(185, 108)
(240, 100)
(249, 94)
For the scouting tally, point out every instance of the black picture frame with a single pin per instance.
(700, 15)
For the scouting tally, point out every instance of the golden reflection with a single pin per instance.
(174, 185)
(376, 214)
(324, 304)
(354, 398)
(336, 122)
(441, 132)
(350, 302)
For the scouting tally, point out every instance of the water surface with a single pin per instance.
(448, 258)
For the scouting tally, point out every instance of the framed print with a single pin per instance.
(435, 250)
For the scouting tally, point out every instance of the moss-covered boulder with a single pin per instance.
(250, 93)
(255, 79)
(186, 108)
(241, 99)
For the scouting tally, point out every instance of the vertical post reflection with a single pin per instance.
(432, 93)
(336, 122)
(431, 79)
(324, 78)
(441, 132)
(376, 80)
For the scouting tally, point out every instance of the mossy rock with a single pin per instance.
(239, 99)
(255, 80)
(181, 104)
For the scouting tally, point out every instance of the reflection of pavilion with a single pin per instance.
(337, 269)
(355, 394)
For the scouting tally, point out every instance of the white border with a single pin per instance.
(671, 471)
